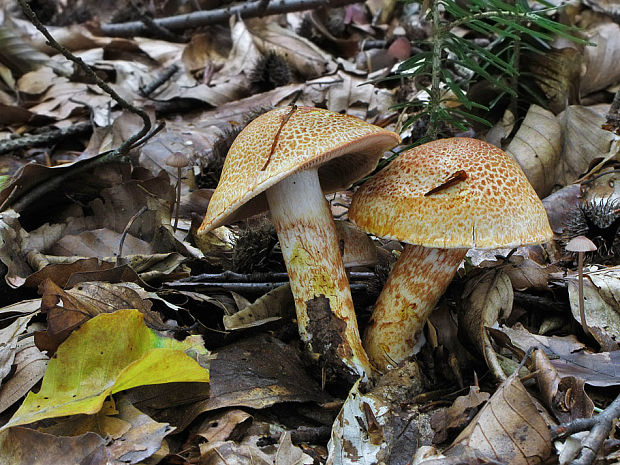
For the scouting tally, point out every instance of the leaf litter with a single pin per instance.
(63, 216)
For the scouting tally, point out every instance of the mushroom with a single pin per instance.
(441, 198)
(179, 161)
(581, 244)
(284, 161)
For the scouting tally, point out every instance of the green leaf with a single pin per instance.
(109, 353)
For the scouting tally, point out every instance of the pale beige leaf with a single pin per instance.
(12, 238)
(8, 343)
(220, 426)
(508, 428)
(143, 438)
(601, 291)
(536, 147)
(487, 297)
(584, 141)
(30, 365)
(343, 92)
(602, 68)
(272, 306)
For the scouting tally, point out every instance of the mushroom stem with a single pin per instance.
(417, 281)
(582, 313)
(178, 200)
(308, 239)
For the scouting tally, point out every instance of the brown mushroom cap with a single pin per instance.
(177, 160)
(490, 205)
(343, 147)
(580, 244)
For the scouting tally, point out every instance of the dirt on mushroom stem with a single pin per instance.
(308, 239)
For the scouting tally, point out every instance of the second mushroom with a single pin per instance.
(441, 198)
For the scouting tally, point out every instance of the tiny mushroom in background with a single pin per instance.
(284, 161)
(443, 197)
(179, 161)
(581, 244)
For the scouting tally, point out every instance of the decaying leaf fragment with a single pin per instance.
(508, 428)
(67, 310)
(601, 291)
(564, 396)
(487, 298)
(536, 147)
(377, 427)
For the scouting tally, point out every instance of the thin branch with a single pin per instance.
(600, 427)
(220, 15)
(231, 276)
(47, 137)
(124, 148)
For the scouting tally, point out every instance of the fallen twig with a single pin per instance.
(599, 427)
(160, 80)
(220, 15)
(231, 276)
(47, 137)
(245, 287)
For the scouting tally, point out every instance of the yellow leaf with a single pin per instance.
(109, 353)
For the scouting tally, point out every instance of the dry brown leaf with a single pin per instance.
(30, 364)
(244, 375)
(601, 291)
(8, 343)
(25, 446)
(205, 49)
(222, 426)
(601, 61)
(105, 423)
(557, 74)
(142, 439)
(584, 141)
(458, 414)
(525, 273)
(38, 81)
(67, 310)
(508, 428)
(536, 147)
(272, 306)
(487, 298)
(569, 357)
(12, 253)
(560, 205)
(565, 397)
(61, 273)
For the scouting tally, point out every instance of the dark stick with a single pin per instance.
(47, 137)
(232, 277)
(245, 287)
(160, 80)
(220, 15)
(132, 140)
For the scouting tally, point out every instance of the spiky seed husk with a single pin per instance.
(269, 72)
(599, 221)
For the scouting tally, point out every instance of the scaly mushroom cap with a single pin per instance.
(476, 196)
(344, 147)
